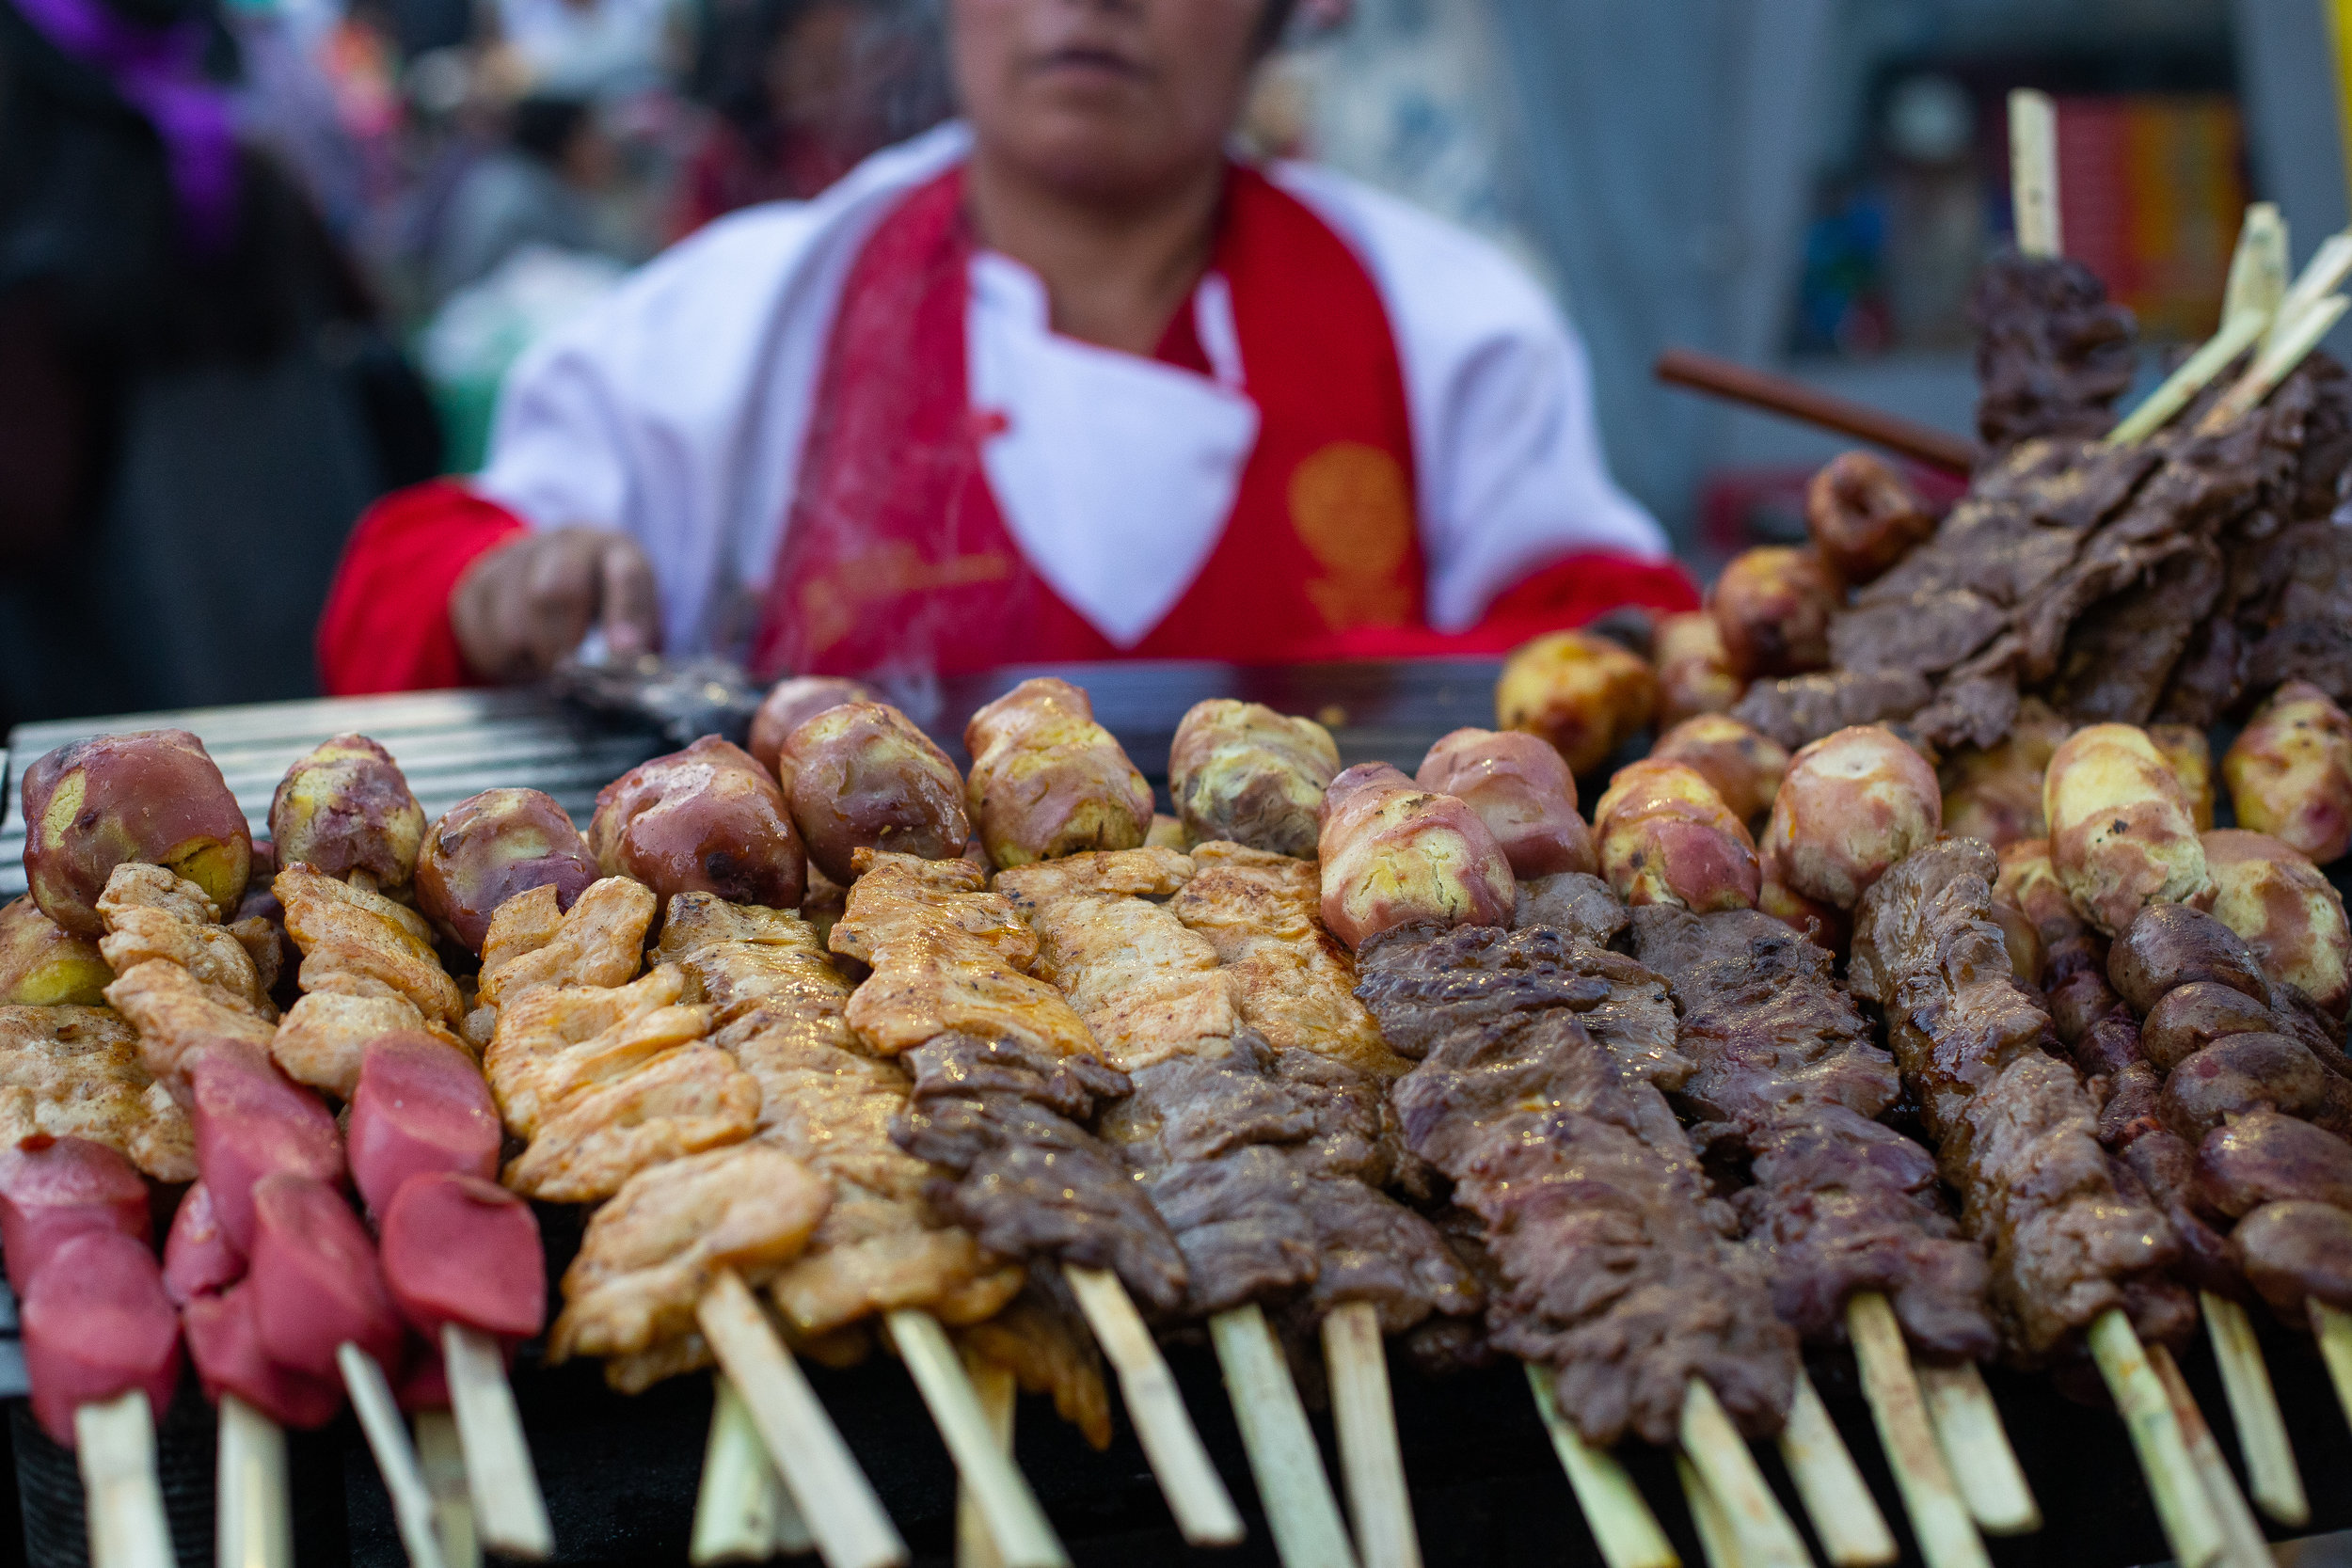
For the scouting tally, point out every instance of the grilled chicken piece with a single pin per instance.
(175, 1012)
(650, 1252)
(1147, 988)
(359, 943)
(684, 1101)
(74, 1072)
(556, 1043)
(1296, 984)
(153, 915)
(946, 956)
(534, 944)
(825, 1101)
(323, 1036)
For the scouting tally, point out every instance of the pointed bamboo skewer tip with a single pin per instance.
(844, 1517)
(510, 1514)
(1615, 1512)
(2332, 1326)
(994, 1387)
(999, 1490)
(395, 1456)
(742, 1496)
(2191, 1525)
(2262, 1430)
(253, 1525)
(2033, 172)
(1371, 1462)
(114, 1447)
(1977, 1449)
(1195, 1494)
(441, 1456)
(1300, 1509)
(2292, 338)
(1845, 1518)
(2258, 263)
(2246, 1546)
(1766, 1538)
(1940, 1517)
(1709, 1521)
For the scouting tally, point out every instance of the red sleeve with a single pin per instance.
(1569, 592)
(385, 626)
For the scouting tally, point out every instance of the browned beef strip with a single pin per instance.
(2208, 677)
(2120, 656)
(1575, 902)
(1029, 1180)
(2015, 1130)
(2052, 353)
(1927, 632)
(1800, 709)
(1268, 1166)
(2164, 1166)
(1786, 1072)
(1620, 1271)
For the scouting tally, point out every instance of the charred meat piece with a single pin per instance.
(1619, 1271)
(2017, 1132)
(2052, 353)
(1802, 709)
(1788, 1075)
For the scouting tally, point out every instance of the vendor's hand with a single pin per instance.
(527, 603)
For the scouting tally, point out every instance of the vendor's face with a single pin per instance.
(1104, 97)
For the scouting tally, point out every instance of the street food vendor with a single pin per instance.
(1062, 380)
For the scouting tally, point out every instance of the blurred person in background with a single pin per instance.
(195, 401)
(540, 188)
(804, 90)
(1063, 381)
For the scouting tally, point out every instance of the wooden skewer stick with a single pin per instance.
(1845, 1516)
(2033, 189)
(2262, 1430)
(441, 1455)
(2258, 264)
(1623, 1527)
(2330, 265)
(741, 1494)
(252, 1522)
(1767, 1539)
(114, 1445)
(508, 1509)
(844, 1516)
(1371, 1462)
(2238, 333)
(395, 1456)
(2190, 1525)
(1976, 1445)
(1203, 1510)
(2291, 339)
(999, 1490)
(2246, 1549)
(1939, 1515)
(2333, 1327)
(1282, 1453)
(1796, 399)
(1716, 1542)
(994, 1386)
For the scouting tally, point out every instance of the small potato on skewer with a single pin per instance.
(1521, 790)
(492, 847)
(42, 964)
(793, 701)
(1047, 780)
(1666, 837)
(2123, 834)
(2191, 756)
(2290, 773)
(1243, 772)
(1693, 671)
(1744, 764)
(1773, 606)
(153, 795)
(1994, 793)
(1862, 517)
(1585, 694)
(708, 819)
(346, 807)
(860, 776)
(2287, 913)
(1393, 852)
(1853, 804)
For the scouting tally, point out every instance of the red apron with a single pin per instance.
(895, 555)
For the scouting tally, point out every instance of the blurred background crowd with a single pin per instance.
(262, 260)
